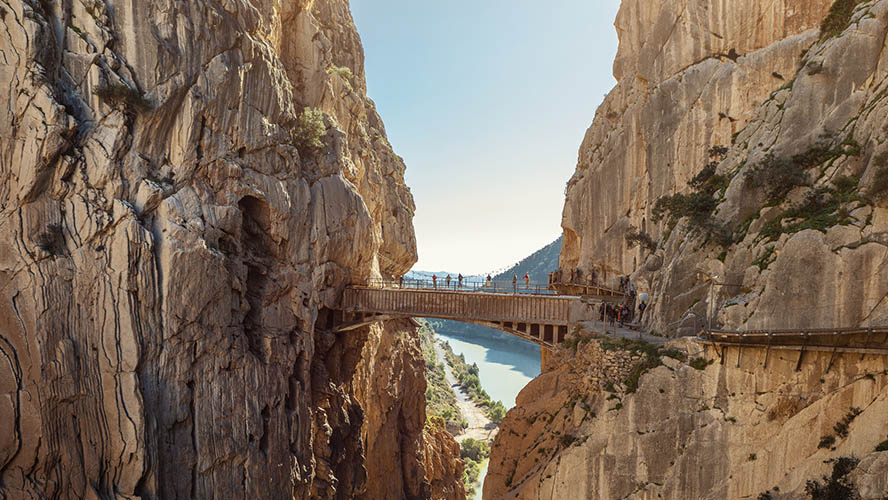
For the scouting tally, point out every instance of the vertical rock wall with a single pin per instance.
(170, 251)
(760, 79)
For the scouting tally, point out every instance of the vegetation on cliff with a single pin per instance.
(467, 376)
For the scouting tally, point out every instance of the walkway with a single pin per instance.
(541, 318)
(625, 333)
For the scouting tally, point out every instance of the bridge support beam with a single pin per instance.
(545, 358)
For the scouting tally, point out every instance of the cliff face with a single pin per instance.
(760, 79)
(172, 242)
(732, 430)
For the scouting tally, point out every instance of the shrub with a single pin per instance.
(635, 237)
(700, 363)
(122, 94)
(826, 441)
(883, 446)
(837, 486)
(765, 259)
(838, 18)
(474, 449)
(310, 129)
(777, 176)
(841, 426)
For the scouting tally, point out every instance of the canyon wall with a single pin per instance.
(737, 429)
(175, 231)
(761, 80)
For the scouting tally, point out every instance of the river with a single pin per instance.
(504, 366)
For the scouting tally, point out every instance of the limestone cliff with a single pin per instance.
(794, 106)
(173, 238)
(728, 430)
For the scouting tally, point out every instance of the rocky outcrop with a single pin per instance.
(173, 239)
(735, 429)
(762, 80)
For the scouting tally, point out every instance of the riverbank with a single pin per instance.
(479, 426)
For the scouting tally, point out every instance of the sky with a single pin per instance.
(487, 101)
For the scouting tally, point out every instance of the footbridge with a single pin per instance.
(527, 310)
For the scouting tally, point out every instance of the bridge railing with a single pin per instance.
(441, 284)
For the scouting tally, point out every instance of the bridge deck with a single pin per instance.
(542, 319)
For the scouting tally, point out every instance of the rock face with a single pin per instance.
(732, 430)
(761, 79)
(173, 240)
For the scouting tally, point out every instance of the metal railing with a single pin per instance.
(454, 285)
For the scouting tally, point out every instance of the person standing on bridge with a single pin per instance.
(435, 281)
(447, 281)
(526, 281)
(515, 282)
(459, 280)
(488, 281)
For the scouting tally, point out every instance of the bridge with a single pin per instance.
(533, 312)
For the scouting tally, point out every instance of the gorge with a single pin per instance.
(187, 190)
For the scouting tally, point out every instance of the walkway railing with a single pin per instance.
(466, 286)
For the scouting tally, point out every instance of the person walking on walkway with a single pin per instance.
(447, 281)
(526, 281)
(401, 282)
(488, 281)
(459, 280)
(515, 282)
(435, 281)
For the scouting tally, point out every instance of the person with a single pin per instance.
(526, 281)
(435, 281)
(594, 278)
(447, 281)
(571, 275)
(488, 281)
(401, 282)
(459, 280)
(641, 308)
(515, 282)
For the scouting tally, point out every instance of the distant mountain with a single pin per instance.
(538, 265)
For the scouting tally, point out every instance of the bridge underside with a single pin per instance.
(543, 334)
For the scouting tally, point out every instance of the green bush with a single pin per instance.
(883, 446)
(838, 18)
(310, 130)
(122, 94)
(837, 486)
(474, 449)
(700, 363)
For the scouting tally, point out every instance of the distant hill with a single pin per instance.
(538, 265)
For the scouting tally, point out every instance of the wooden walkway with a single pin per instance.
(542, 319)
(873, 340)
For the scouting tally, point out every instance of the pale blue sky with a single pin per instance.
(487, 101)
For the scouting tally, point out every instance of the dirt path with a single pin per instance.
(480, 427)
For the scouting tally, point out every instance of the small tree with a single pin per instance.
(310, 129)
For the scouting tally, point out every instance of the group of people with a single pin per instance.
(574, 276)
(448, 279)
(459, 281)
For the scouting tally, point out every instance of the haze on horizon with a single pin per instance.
(487, 102)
